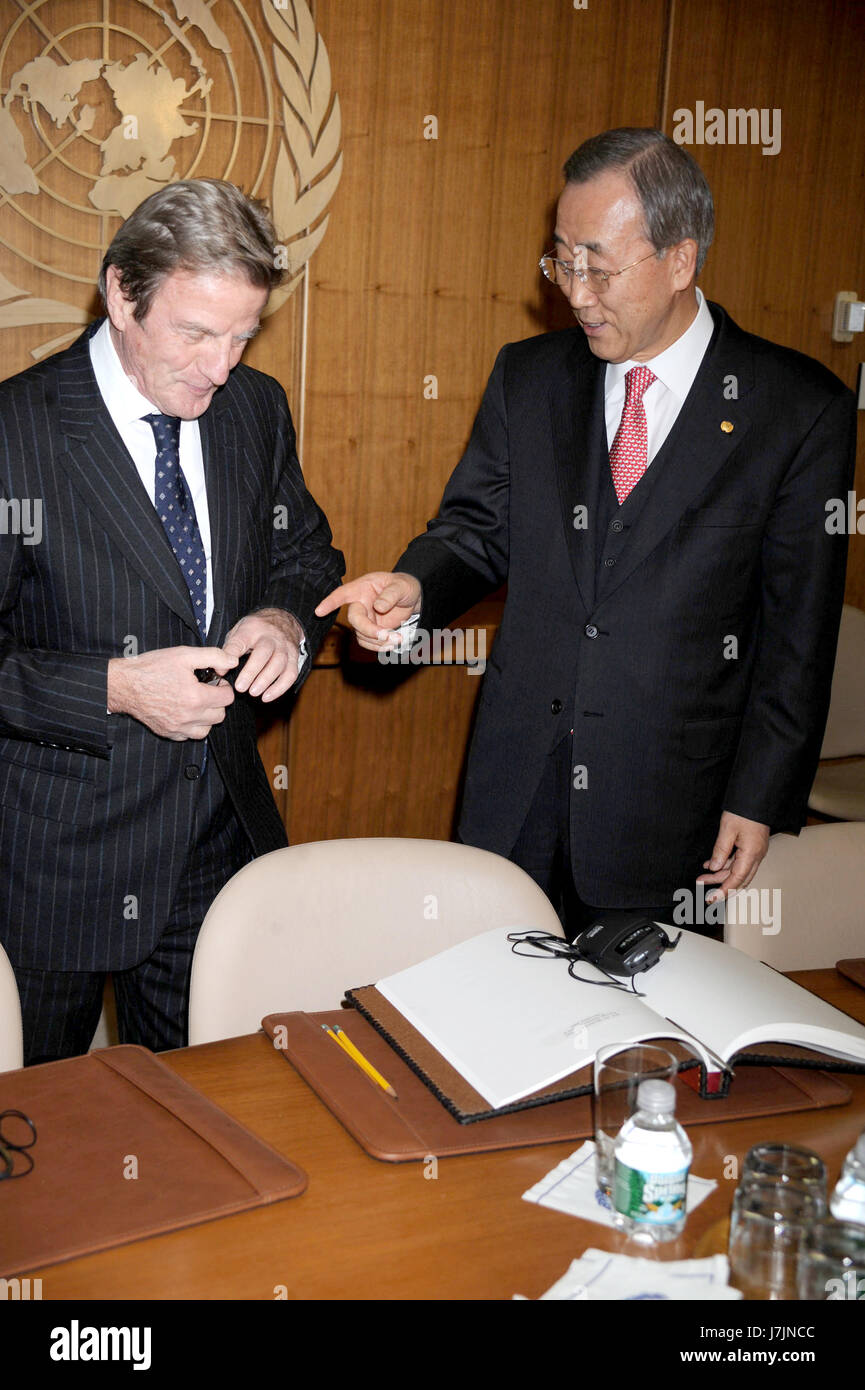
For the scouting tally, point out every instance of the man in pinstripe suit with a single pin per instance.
(178, 538)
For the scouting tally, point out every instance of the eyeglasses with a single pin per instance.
(15, 1139)
(562, 272)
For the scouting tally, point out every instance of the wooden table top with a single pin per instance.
(370, 1230)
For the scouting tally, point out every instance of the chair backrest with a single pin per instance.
(805, 907)
(299, 926)
(845, 727)
(11, 1035)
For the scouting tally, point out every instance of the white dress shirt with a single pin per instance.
(126, 405)
(675, 369)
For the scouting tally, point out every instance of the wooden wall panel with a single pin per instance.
(373, 754)
(430, 262)
(514, 88)
(789, 229)
(430, 265)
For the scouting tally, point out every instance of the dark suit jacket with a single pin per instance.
(95, 810)
(621, 629)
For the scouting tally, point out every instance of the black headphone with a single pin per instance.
(622, 943)
(625, 944)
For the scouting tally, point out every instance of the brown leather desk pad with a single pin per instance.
(417, 1124)
(114, 1111)
(853, 969)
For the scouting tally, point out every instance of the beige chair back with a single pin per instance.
(845, 727)
(298, 927)
(11, 1035)
(813, 886)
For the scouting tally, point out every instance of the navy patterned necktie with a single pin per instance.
(177, 513)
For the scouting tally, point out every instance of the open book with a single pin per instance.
(511, 1024)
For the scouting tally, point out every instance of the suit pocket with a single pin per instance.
(711, 738)
(63, 792)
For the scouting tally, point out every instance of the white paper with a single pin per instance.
(512, 1024)
(732, 1001)
(572, 1187)
(600, 1275)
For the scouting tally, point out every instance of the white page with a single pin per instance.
(733, 1001)
(511, 1024)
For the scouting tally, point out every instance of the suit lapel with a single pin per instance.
(576, 403)
(696, 447)
(219, 446)
(101, 470)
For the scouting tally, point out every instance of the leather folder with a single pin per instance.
(125, 1149)
(423, 1119)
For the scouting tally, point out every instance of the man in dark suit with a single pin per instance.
(177, 539)
(652, 485)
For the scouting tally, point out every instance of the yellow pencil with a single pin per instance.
(357, 1057)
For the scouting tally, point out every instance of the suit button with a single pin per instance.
(556, 707)
(616, 525)
(609, 562)
(192, 772)
(591, 630)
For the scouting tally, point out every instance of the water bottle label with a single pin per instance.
(657, 1199)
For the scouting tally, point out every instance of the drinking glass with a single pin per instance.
(771, 1218)
(786, 1162)
(832, 1261)
(618, 1073)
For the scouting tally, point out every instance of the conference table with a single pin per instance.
(365, 1229)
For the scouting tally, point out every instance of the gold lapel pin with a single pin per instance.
(727, 426)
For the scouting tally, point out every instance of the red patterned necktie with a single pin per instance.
(629, 454)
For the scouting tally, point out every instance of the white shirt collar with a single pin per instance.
(122, 397)
(678, 364)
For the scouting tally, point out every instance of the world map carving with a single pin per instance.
(95, 116)
(147, 98)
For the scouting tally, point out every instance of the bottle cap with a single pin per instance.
(656, 1096)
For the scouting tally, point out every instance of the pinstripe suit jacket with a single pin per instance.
(96, 810)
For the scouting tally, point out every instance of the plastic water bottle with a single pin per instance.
(847, 1202)
(652, 1156)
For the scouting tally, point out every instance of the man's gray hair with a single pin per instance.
(671, 186)
(199, 225)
